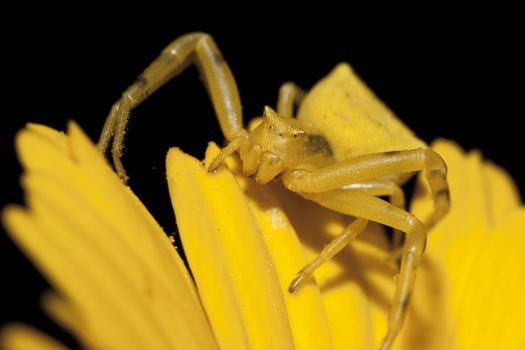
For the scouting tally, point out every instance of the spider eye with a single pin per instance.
(281, 134)
(270, 128)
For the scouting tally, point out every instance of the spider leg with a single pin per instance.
(373, 166)
(326, 186)
(351, 232)
(193, 48)
(396, 197)
(371, 208)
(354, 229)
(290, 95)
(381, 188)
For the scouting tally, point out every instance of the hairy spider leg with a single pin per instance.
(326, 187)
(193, 48)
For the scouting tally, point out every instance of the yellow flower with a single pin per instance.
(120, 284)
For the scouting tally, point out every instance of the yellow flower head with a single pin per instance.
(120, 284)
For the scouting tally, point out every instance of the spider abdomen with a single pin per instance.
(355, 121)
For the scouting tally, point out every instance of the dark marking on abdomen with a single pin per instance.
(318, 144)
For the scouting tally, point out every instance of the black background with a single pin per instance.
(446, 72)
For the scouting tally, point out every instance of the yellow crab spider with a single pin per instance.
(312, 159)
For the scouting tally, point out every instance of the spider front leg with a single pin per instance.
(396, 197)
(376, 166)
(193, 48)
(326, 186)
(368, 207)
(353, 230)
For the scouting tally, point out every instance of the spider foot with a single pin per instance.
(227, 151)
(299, 279)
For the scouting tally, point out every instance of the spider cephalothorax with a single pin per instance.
(278, 144)
(312, 154)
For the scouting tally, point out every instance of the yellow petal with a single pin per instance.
(100, 247)
(22, 337)
(67, 315)
(308, 321)
(503, 195)
(492, 310)
(231, 265)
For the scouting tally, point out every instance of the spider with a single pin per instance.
(311, 159)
